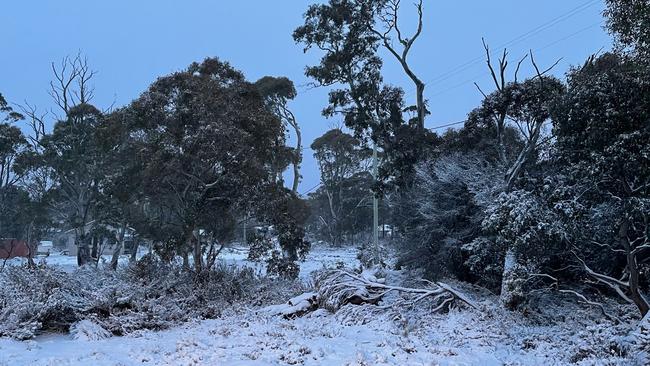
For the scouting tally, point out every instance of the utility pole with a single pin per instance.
(244, 226)
(375, 207)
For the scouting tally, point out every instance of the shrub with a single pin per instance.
(149, 294)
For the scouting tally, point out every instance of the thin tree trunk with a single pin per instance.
(296, 163)
(118, 247)
(83, 249)
(134, 252)
(186, 260)
(500, 145)
(198, 257)
(30, 247)
(633, 268)
(524, 155)
(419, 86)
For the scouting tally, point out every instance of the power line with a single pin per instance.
(447, 125)
(311, 189)
(518, 39)
(455, 86)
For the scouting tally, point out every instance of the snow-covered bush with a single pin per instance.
(88, 330)
(268, 248)
(484, 260)
(366, 253)
(447, 204)
(282, 267)
(145, 295)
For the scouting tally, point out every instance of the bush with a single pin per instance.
(146, 295)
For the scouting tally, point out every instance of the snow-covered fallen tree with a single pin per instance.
(334, 289)
(338, 288)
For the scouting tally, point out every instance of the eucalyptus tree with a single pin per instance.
(277, 92)
(72, 153)
(208, 146)
(629, 22)
(602, 125)
(343, 164)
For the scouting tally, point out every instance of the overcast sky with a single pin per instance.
(130, 43)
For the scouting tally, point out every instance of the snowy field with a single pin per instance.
(318, 258)
(559, 334)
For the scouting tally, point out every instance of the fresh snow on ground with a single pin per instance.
(247, 339)
(257, 336)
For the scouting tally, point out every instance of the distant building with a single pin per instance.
(65, 242)
(12, 248)
(45, 247)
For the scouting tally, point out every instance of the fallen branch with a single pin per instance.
(592, 303)
(296, 307)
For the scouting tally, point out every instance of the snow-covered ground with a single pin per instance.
(249, 338)
(559, 334)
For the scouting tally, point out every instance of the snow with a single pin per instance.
(560, 333)
(250, 337)
(246, 339)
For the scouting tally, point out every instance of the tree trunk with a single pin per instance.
(198, 256)
(500, 145)
(511, 290)
(296, 163)
(186, 260)
(419, 86)
(524, 155)
(83, 249)
(633, 268)
(94, 251)
(118, 247)
(134, 252)
(31, 247)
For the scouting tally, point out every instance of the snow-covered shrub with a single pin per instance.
(484, 260)
(145, 295)
(88, 330)
(260, 247)
(41, 299)
(366, 254)
(282, 267)
(267, 247)
(447, 206)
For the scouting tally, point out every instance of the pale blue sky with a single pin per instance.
(130, 43)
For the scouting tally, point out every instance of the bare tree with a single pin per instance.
(501, 109)
(389, 17)
(71, 85)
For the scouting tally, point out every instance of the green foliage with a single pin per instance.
(629, 22)
(189, 181)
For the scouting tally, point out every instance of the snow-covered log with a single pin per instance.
(296, 307)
